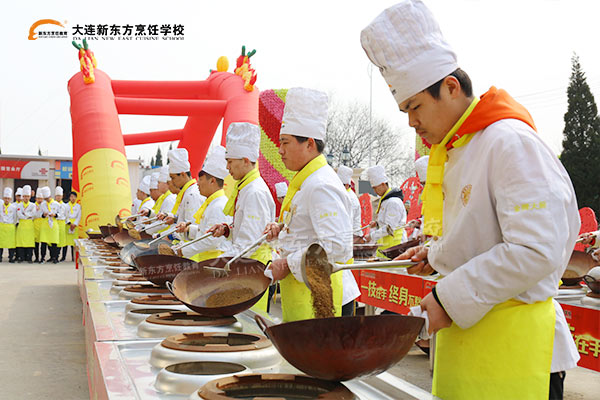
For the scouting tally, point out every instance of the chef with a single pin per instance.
(25, 240)
(189, 199)
(281, 189)
(146, 202)
(61, 218)
(251, 204)
(19, 195)
(421, 171)
(8, 229)
(72, 221)
(503, 214)
(210, 183)
(316, 207)
(351, 290)
(49, 230)
(390, 214)
(165, 201)
(38, 220)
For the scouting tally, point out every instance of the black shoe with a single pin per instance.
(11, 261)
(55, 261)
(41, 262)
(62, 259)
(36, 261)
(30, 262)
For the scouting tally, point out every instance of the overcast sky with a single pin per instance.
(522, 46)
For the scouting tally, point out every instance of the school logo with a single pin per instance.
(58, 31)
(465, 195)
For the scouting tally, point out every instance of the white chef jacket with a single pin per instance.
(392, 213)
(145, 204)
(76, 214)
(350, 287)
(510, 223)
(26, 213)
(213, 214)
(165, 207)
(190, 203)
(62, 212)
(135, 206)
(355, 208)
(319, 213)
(50, 209)
(254, 209)
(39, 213)
(10, 216)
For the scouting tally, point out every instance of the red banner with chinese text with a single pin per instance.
(584, 324)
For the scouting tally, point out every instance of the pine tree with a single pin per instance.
(170, 148)
(158, 159)
(152, 163)
(581, 143)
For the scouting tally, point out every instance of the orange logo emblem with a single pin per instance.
(33, 35)
(465, 195)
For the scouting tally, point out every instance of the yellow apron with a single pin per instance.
(49, 235)
(70, 237)
(7, 236)
(62, 232)
(25, 232)
(37, 225)
(296, 299)
(388, 241)
(506, 355)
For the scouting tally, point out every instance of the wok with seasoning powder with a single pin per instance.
(343, 348)
(132, 250)
(213, 293)
(108, 230)
(158, 268)
(580, 264)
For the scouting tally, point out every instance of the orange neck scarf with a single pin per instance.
(494, 105)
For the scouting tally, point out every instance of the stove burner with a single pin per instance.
(163, 300)
(216, 342)
(205, 368)
(279, 386)
(593, 295)
(145, 289)
(187, 377)
(183, 318)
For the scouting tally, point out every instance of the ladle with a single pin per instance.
(317, 256)
(166, 233)
(145, 221)
(153, 225)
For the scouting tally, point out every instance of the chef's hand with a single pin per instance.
(161, 216)
(182, 227)
(373, 224)
(587, 238)
(438, 318)
(218, 230)
(145, 212)
(414, 223)
(417, 254)
(280, 269)
(596, 255)
(45, 215)
(272, 230)
(169, 220)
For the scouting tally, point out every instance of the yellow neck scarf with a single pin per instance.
(159, 201)
(433, 198)
(242, 183)
(6, 208)
(314, 165)
(180, 196)
(145, 201)
(381, 199)
(200, 212)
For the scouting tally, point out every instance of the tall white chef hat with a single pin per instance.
(58, 191)
(163, 174)
(377, 175)
(215, 163)
(19, 192)
(8, 192)
(154, 180)
(421, 167)
(145, 184)
(305, 113)
(26, 190)
(178, 161)
(406, 43)
(281, 189)
(243, 141)
(345, 174)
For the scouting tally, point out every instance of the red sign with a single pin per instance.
(366, 211)
(11, 168)
(390, 291)
(585, 328)
(18, 169)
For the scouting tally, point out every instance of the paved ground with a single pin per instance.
(43, 350)
(43, 345)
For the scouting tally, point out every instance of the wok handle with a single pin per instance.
(375, 265)
(262, 323)
(589, 279)
(169, 286)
